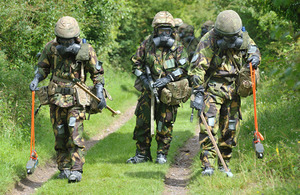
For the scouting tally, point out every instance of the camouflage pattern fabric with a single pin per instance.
(161, 62)
(67, 125)
(191, 47)
(66, 114)
(165, 117)
(224, 118)
(189, 44)
(221, 100)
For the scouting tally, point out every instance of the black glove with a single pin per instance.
(162, 81)
(34, 83)
(198, 103)
(254, 60)
(145, 81)
(99, 94)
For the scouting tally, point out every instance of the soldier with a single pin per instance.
(166, 62)
(188, 39)
(178, 23)
(68, 58)
(219, 56)
(206, 26)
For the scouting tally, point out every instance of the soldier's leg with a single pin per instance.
(229, 129)
(142, 133)
(207, 150)
(165, 117)
(76, 116)
(59, 123)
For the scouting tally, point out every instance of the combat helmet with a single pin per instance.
(208, 24)
(178, 22)
(189, 29)
(228, 22)
(163, 18)
(67, 27)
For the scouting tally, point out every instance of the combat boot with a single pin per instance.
(207, 171)
(64, 174)
(161, 158)
(139, 158)
(75, 176)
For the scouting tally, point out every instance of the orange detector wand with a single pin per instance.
(33, 161)
(259, 148)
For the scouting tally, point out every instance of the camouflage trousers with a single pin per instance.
(221, 115)
(67, 125)
(165, 117)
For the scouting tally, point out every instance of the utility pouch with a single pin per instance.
(176, 92)
(42, 94)
(82, 97)
(52, 88)
(138, 85)
(244, 84)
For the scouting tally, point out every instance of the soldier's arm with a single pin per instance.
(95, 68)
(44, 61)
(200, 63)
(253, 51)
(138, 66)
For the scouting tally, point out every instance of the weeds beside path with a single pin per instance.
(29, 184)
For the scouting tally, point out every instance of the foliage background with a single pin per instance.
(115, 28)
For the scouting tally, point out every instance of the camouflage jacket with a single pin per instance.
(161, 61)
(191, 47)
(210, 63)
(51, 62)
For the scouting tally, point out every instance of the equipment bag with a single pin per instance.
(244, 84)
(176, 92)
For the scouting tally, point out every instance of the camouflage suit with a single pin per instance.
(216, 71)
(161, 62)
(188, 39)
(67, 115)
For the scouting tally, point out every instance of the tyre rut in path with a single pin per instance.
(44, 173)
(179, 173)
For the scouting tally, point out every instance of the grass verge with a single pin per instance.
(278, 172)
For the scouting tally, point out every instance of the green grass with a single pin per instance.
(278, 172)
(106, 172)
(15, 150)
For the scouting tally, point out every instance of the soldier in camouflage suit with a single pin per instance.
(68, 58)
(187, 37)
(219, 56)
(167, 61)
(178, 23)
(206, 26)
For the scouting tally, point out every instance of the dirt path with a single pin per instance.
(42, 174)
(179, 174)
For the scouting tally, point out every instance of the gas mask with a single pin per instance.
(188, 39)
(203, 31)
(163, 37)
(230, 42)
(67, 47)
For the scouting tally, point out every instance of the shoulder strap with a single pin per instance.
(233, 60)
